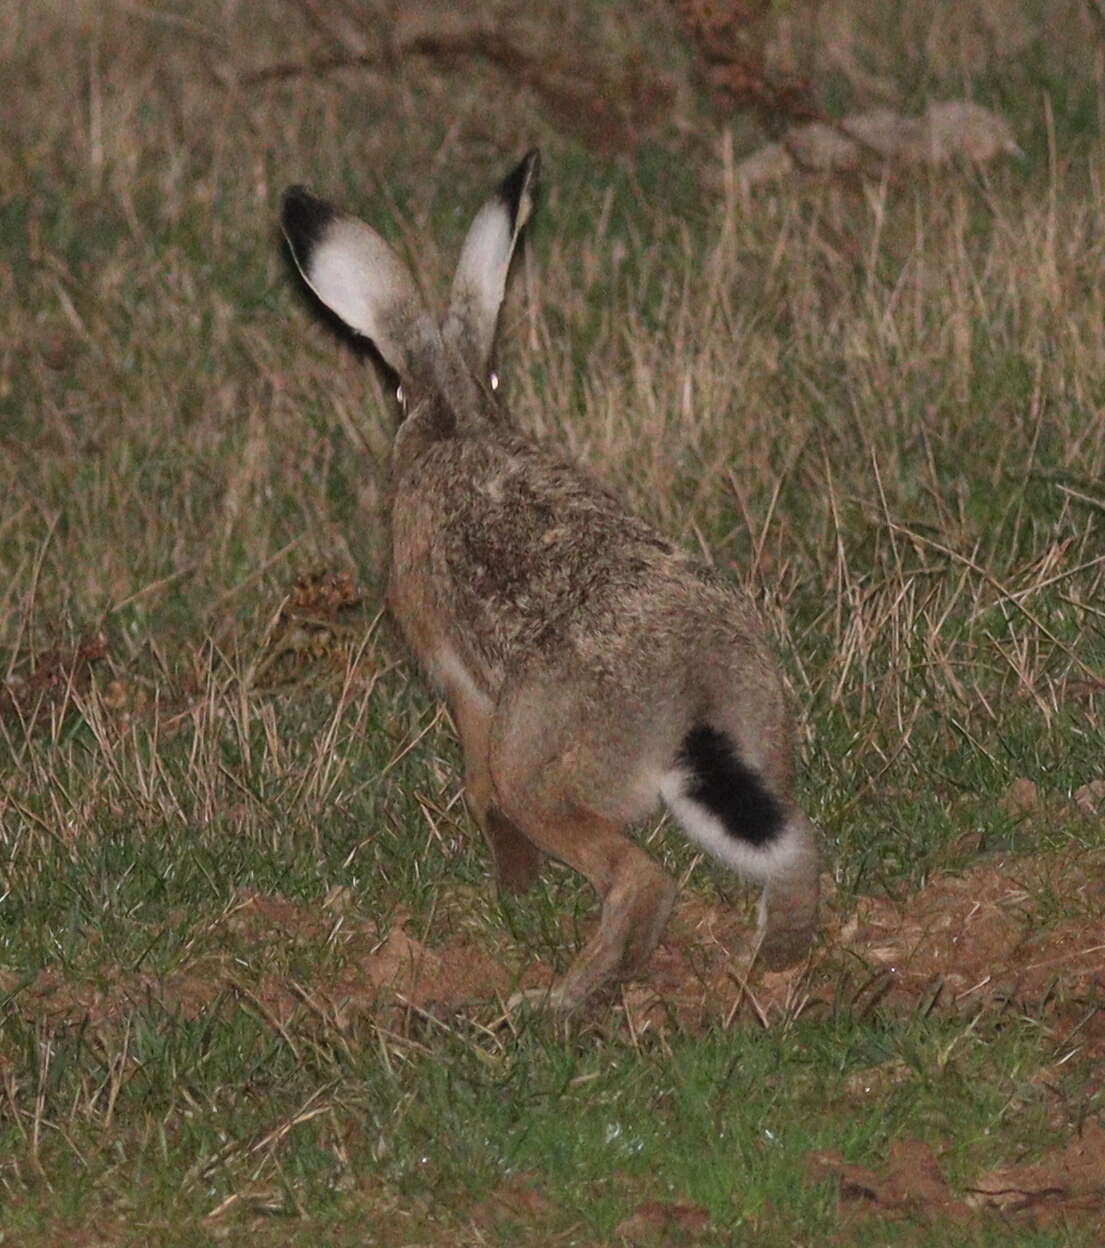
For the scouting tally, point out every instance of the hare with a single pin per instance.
(591, 667)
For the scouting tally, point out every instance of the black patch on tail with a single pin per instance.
(731, 791)
(304, 218)
(513, 186)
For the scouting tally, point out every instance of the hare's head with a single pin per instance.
(443, 366)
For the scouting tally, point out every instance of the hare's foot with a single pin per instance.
(634, 912)
(788, 907)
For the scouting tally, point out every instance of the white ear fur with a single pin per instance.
(358, 277)
(477, 292)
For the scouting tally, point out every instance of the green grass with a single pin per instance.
(879, 407)
(437, 1120)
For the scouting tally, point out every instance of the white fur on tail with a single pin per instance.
(708, 831)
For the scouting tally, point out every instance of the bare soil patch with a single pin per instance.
(1065, 1184)
(910, 1185)
(517, 1199)
(376, 976)
(1023, 932)
(1066, 1180)
(1026, 932)
(663, 1222)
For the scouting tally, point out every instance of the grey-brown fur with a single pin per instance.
(577, 648)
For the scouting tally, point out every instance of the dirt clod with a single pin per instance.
(663, 1222)
(1090, 798)
(317, 621)
(1021, 798)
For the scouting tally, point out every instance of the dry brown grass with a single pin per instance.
(877, 405)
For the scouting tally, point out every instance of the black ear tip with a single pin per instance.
(304, 217)
(520, 182)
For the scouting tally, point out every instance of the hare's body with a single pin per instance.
(591, 667)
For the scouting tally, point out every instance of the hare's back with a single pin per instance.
(526, 551)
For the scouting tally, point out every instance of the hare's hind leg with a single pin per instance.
(636, 893)
(517, 858)
(535, 766)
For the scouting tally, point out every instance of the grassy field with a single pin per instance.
(252, 964)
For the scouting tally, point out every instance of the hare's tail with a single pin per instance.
(725, 805)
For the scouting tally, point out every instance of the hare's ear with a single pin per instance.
(484, 260)
(358, 277)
